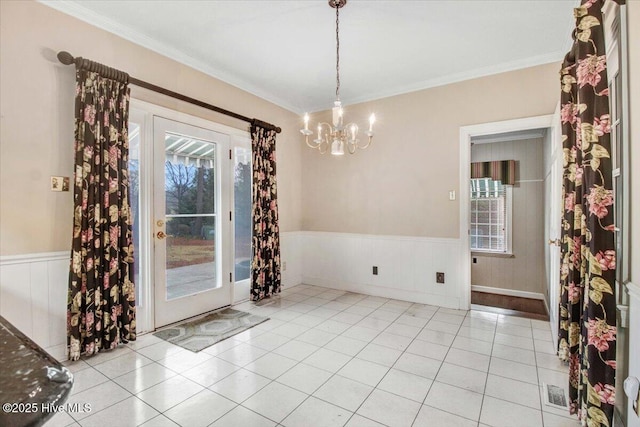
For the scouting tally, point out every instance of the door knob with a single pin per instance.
(160, 235)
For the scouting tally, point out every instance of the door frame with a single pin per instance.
(466, 133)
(145, 111)
(193, 304)
(241, 288)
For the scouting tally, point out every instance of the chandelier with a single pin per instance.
(337, 135)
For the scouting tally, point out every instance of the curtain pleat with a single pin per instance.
(265, 265)
(101, 300)
(587, 329)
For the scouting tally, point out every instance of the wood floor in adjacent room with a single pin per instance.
(510, 305)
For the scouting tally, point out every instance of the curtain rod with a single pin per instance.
(68, 59)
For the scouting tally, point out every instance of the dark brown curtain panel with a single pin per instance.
(265, 266)
(101, 301)
(587, 330)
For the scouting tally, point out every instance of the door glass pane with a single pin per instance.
(190, 191)
(242, 209)
(134, 202)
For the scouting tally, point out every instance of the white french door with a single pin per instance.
(190, 190)
(242, 225)
(191, 221)
(555, 219)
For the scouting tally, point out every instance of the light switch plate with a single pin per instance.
(59, 183)
(452, 195)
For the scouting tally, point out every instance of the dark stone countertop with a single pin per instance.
(32, 383)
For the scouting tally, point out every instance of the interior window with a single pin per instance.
(490, 208)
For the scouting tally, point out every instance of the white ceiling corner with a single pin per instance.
(284, 51)
(73, 8)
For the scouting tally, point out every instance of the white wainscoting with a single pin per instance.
(33, 297)
(407, 266)
(291, 258)
(33, 287)
(33, 292)
(291, 273)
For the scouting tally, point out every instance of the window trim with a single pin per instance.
(508, 252)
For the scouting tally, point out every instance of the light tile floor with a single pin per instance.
(329, 358)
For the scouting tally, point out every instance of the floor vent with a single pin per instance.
(555, 396)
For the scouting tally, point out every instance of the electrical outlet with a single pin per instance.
(439, 277)
(375, 270)
(284, 265)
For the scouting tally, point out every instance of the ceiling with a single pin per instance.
(284, 51)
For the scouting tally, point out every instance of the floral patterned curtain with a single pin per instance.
(265, 266)
(587, 332)
(101, 301)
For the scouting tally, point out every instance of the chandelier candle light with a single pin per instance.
(337, 135)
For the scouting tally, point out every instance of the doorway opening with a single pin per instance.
(497, 242)
(189, 181)
(507, 222)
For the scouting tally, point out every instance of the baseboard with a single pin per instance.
(510, 292)
(546, 305)
(385, 292)
(617, 420)
(59, 352)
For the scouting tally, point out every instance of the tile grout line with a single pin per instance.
(484, 392)
(333, 374)
(354, 356)
(298, 362)
(389, 369)
(441, 363)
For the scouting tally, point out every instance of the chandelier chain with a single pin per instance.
(338, 53)
(335, 135)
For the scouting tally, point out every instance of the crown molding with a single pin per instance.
(72, 8)
(454, 78)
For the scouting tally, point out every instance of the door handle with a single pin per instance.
(160, 235)
(554, 242)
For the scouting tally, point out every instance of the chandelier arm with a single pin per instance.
(335, 136)
(306, 139)
(326, 147)
(323, 139)
(370, 138)
(351, 147)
